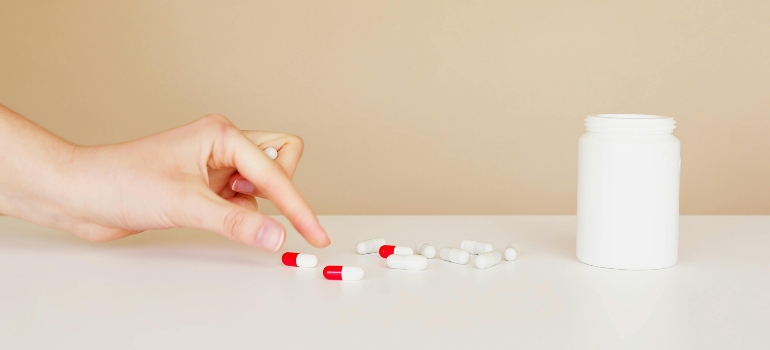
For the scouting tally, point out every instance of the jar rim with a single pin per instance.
(630, 124)
(629, 116)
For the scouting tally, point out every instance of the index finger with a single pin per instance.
(270, 179)
(289, 147)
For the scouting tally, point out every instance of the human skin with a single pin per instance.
(202, 175)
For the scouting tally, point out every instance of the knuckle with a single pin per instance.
(297, 140)
(235, 224)
(228, 132)
(215, 119)
(225, 138)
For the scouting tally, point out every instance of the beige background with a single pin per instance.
(412, 107)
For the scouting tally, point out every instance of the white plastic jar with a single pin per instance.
(628, 192)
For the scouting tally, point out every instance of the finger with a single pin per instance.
(218, 180)
(239, 184)
(289, 147)
(227, 192)
(244, 200)
(237, 222)
(234, 149)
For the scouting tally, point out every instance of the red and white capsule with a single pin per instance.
(388, 250)
(299, 260)
(343, 273)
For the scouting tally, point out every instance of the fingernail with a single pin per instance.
(271, 236)
(243, 186)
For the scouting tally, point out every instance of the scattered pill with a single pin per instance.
(369, 246)
(454, 255)
(486, 260)
(343, 273)
(425, 249)
(388, 250)
(299, 260)
(511, 252)
(474, 247)
(271, 153)
(407, 262)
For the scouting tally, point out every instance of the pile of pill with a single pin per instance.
(404, 258)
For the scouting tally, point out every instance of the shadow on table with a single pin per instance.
(174, 244)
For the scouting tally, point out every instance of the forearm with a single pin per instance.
(177, 178)
(31, 159)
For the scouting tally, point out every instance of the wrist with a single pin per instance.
(33, 160)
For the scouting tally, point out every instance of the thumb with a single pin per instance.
(238, 223)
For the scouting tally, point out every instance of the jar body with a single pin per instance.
(628, 200)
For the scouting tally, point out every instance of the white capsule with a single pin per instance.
(474, 247)
(369, 246)
(271, 152)
(407, 262)
(454, 255)
(511, 252)
(486, 260)
(425, 249)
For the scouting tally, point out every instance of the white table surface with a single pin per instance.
(194, 290)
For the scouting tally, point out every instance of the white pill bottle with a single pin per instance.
(628, 192)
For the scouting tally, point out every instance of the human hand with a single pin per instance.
(201, 175)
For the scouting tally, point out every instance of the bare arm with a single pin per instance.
(201, 175)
